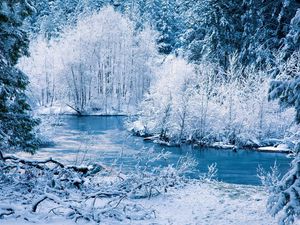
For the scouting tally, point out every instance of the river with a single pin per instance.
(105, 139)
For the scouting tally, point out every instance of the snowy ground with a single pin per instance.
(198, 203)
(280, 148)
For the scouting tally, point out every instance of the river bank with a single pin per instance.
(272, 145)
(279, 145)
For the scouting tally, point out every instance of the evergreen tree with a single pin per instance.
(47, 20)
(250, 22)
(136, 11)
(292, 40)
(213, 31)
(16, 125)
(165, 41)
(286, 195)
(33, 23)
(162, 15)
(273, 28)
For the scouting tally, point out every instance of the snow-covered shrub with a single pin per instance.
(201, 103)
(249, 116)
(211, 174)
(177, 106)
(269, 179)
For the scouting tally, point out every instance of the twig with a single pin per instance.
(8, 212)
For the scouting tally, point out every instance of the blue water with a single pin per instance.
(104, 139)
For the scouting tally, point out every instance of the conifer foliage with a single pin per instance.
(16, 125)
(286, 195)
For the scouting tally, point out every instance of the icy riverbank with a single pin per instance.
(264, 145)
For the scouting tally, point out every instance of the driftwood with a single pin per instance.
(40, 164)
(35, 163)
(76, 110)
(6, 211)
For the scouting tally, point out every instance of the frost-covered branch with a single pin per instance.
(87, 192)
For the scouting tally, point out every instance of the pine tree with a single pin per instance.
(213, 31)
(165, 41)
(33, 23)
(16, 125)
(286, 195)
(292, 40)
(273, 28)
(250, 22)
(136, 11)
(161, 15)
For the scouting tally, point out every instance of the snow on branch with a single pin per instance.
(285, 195)
(89, 192)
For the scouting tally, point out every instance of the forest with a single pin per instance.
(200, 74)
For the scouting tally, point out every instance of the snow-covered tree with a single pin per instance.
(16, 125)
(273, 27)
(102, 64)
(213, 32)
(161, 15)
(286, 195)
(195, 103)
(292, 40)
(251, 20)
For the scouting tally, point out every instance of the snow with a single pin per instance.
(279, 148)
(57, 221)
(72, 68)
(112, 70)
(215, 203)
(223, 145)
(55, 109)
(199, 202)
(61, 109)
(180, 108)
